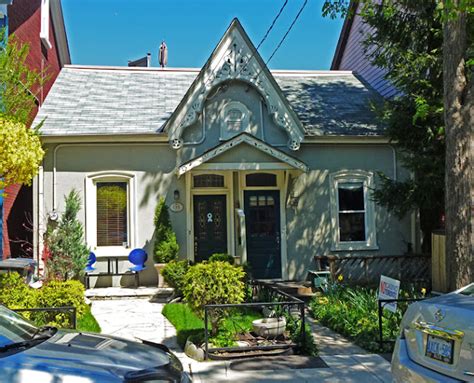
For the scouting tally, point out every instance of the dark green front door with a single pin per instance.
(210, 226)
(262, 221)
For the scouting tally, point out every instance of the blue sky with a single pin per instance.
(111, 32)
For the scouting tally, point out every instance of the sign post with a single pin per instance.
(389, 289)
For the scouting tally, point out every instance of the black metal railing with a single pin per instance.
(71, 309)
(381, 303)
(276, 299)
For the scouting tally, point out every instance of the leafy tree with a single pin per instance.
(65, 241)
(166, 247)
(20, 148)
(458, 65)
(20, 152)
(406, 41)
(20, 84)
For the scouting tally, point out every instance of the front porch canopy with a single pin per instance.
(282, 160)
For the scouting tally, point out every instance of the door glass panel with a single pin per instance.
(253, 201)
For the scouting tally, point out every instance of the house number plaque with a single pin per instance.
(176, 207)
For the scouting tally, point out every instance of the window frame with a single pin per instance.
(365, 178)
(91, 213)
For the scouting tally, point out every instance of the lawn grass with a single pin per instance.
(185, 321)
(189, 324)
(87, 322)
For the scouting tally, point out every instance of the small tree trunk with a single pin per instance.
(458, 106)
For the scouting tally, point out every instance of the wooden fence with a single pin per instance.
(440, 275)
(366, 269)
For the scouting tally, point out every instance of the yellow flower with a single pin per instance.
(340, 278)
(423, 291)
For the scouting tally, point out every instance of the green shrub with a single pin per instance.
(222, 257)
(213, 283)
(187, 324)
(65, 241)
(305, 340)
(60, 294)
(15, 293)
(174, 273)
(166, 247)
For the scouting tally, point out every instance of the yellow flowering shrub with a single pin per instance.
(20, 152)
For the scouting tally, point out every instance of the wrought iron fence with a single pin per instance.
(381, 303)
(71, 309)
(276, 300)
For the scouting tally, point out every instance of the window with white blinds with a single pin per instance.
(112, 214)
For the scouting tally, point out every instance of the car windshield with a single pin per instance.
(469, 291)
(13, 328)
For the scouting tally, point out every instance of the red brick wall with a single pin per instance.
(25, 22)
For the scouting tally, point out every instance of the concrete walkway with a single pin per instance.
(139, 318)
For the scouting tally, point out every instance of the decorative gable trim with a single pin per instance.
(235, 58)
(237, 140)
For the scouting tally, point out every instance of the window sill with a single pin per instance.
(354, 246)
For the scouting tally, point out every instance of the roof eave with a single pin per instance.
(60, 35)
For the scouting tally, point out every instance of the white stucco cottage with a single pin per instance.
(272, 167)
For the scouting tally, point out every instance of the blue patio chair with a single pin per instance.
(90, 261)
(138, 258)
(89, 268)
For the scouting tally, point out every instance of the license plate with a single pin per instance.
(440, 349)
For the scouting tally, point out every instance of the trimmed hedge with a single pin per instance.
(174, 273)
(15, 294)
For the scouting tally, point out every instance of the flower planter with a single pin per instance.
(269, 327)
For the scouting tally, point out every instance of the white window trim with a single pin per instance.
(91, 212)
(353, 176)
(44, 27)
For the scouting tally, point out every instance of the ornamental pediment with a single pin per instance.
(235, 58)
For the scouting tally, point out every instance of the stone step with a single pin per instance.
(124, 293)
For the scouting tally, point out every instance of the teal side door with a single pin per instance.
(262, 222)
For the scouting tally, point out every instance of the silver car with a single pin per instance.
(33, 354)
(436, 342)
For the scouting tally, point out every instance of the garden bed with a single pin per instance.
(353, 313)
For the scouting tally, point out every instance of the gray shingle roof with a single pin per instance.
(94, 101)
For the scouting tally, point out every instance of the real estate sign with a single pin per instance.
(388, 289)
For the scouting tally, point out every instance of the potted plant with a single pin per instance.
(166, 247)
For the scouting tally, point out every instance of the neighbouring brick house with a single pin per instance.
(40, 24)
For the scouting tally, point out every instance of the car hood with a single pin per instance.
(94, 357)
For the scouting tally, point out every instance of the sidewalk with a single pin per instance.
(139, 318)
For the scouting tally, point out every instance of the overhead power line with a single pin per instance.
(272, 25)
(287, 32)
(265, 36)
